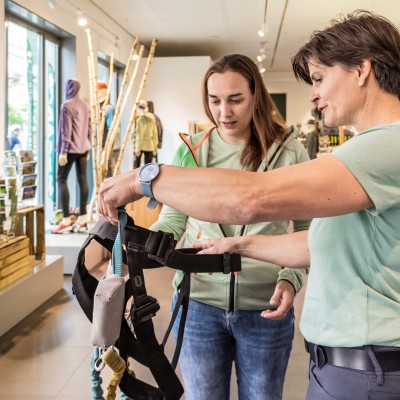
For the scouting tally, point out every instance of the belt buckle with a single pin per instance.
(320, 356)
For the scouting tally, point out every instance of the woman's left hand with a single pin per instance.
(216, 246)
(284, 298)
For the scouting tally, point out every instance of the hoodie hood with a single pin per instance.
(72, 88)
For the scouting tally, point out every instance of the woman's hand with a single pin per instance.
(283, 297)
(217, 246)
(118, 192)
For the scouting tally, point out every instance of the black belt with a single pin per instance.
(353, 358)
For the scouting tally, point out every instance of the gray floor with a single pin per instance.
(46, 356)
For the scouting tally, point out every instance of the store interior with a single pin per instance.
(45, 347)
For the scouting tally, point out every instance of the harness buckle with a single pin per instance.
(226, 263)
(144, 312)
(159, 246)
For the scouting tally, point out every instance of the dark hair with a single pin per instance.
(267, 124)
(350, 40)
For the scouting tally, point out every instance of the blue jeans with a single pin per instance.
(215, 338)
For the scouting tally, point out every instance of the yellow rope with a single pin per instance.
(117, 364)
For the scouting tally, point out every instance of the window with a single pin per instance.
(23, 73)
(32, 101)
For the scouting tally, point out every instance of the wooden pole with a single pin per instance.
(94, 141)
(96, 115)
(103, 169)
(133, 116)
(119, 111)
(113, 131)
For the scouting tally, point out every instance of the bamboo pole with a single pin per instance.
(96, 116)
(107, 98)
(94, 141)
(103, 171)
(133, 116)
(121, 109)
(113, 131)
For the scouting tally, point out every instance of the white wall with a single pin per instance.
(298, 104)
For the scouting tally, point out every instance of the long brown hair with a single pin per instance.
(359, 36)
(267, 124)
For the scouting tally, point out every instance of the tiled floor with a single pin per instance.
(46, 356)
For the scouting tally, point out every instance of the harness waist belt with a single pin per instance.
(353, 358)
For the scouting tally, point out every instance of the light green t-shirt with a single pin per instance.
(353, 293)
(225, 155)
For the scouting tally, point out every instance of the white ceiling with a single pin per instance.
(218, 27)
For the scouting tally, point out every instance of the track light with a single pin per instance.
(261, 31)
(261, 57)
(135, 56)
(51, 4)
(82, 21)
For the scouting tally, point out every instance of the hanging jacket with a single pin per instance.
(252, 288)
(145, 135)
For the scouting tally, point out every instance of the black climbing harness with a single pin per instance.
(143, 249)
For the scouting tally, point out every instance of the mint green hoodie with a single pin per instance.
(252, 288)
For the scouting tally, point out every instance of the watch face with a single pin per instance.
(149, 172)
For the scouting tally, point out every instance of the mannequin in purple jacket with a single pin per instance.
(73, 145)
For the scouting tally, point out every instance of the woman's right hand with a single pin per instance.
(118, 192)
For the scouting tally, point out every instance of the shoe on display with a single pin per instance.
(63, 228)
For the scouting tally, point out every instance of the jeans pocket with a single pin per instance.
(315, 391)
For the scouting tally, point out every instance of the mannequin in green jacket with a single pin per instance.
(259, 347)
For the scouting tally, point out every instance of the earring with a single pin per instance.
(360, 83)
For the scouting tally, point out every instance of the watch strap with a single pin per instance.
(146, 188)
(152, 204)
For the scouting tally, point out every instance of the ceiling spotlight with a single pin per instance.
(261, 57)
(51, 4)
(261, 68)
(82, 21)
(135, 56)
(263, 30)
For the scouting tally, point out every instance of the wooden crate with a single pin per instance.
(15, 261)
(30, 222)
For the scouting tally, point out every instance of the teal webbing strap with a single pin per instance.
(116, 256)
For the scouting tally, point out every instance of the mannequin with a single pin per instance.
(110, 111)
(150, 106)
(73, 145)
(145, 136)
